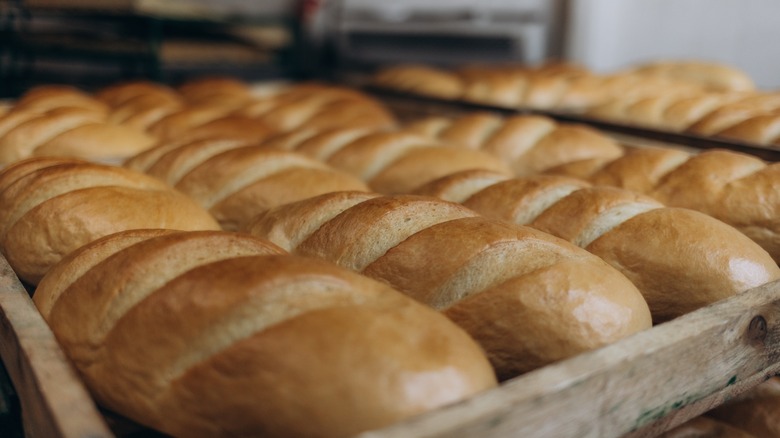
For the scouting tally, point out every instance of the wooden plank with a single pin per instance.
(54, 402)
(640, 386)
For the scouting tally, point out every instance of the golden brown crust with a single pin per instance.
(679, 259)
(205, 88)
(78, 262)
(48, 97)
(682, 260)
(290, 224)
(736, 188)
(97, 142)
(422, 80)
(400, 239)
(529, 144)
(242, 326)
(88, 201)
(381, 223)
(318, 107)
(122, 93)
(390, 162)
(459, 186)
(22, 140)
(240, 183)
(711, 75)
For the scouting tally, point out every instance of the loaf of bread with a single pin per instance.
(422, 80)
(51, 206)
(169, 114)
(140, 104)
(318, 107)
(55, 121)
(527, 297)
(545, 87)
(218, 334)
(757, 412)
(234, 131)
(736, 188)
(679, 259)
(751, 117)
(215, 89)
(552, 86)
(236, 182)
(711, 75)
(389, 162)
(529, 144)
(48, 97)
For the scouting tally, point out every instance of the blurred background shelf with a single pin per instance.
(94, 43)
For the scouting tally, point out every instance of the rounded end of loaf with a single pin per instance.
(263, 344)
(551, 314)
(719, 261)
(526, 297)
(89, 201)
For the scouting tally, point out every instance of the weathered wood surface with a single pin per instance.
(639, 386)
(53, 400)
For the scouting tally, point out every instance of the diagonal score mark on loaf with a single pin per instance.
(458, 189)
(390, 162)
(738, 189)
(78, 262)
(600, 210)
(42, 184)
(290, 224)
(518, 200)
(382, 230)
(456, 256)
(367, 156)
(22, 140)
(225, 173)
(529, 144)
(481, 254)
(111, 295)
(361, 234)
(687, 261)
(172, 163)
(320, 144)
(261, 292)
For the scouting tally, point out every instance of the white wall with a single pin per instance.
(607, 35)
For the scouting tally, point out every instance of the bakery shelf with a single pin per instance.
(637, 387)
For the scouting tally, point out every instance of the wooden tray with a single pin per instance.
(639, 386)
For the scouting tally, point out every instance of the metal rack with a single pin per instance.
(124, 40)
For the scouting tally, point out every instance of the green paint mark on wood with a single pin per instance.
(660, 412)
(732, 381)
